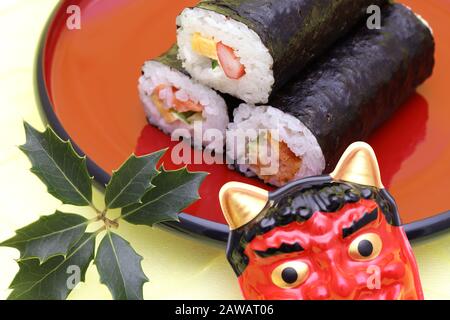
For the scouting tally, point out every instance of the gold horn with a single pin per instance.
(359, 165)
(241, 203)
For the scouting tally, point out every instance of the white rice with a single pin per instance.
(215, 112)
(291, 131)
(256, 85)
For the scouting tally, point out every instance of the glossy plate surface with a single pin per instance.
(87, 83)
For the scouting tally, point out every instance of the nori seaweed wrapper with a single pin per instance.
(294, 31)
(170, 59)
(361, 82)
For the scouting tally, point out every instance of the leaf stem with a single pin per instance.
(111, 224)
(101, 215)
(108, 222)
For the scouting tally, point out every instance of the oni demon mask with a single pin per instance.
(330, 237)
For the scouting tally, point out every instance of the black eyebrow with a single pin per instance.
(359, 224)
(283, 249)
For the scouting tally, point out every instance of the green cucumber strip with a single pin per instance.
(185, 117)
(214, 64)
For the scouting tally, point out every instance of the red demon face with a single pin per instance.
(349, 254)
(337, 236)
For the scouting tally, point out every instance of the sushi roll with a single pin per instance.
(340, 99)
(250, 48)
(174, 101)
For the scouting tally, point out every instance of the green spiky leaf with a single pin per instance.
(55, 251)
(57, 277)
(173, 192)
(57, 164)
(48, 237)
(120, 268)
(214, 64)
(132, 180)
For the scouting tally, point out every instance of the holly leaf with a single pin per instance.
(132, 180)
(173, 192)
(120, 268)
(48, 237)
(57, 164)
(57, 277)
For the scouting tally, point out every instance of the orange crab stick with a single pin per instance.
(178, 105)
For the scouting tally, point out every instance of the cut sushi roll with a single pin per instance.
(340, 99)
(173, 101)
(250, 48)
(294, 147)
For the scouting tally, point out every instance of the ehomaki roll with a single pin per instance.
(340, 99)
(251, 48)
(173, 100)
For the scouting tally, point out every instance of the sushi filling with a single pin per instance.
(288, 162)
(220, 54)
(178, 105)
(294, 148)
(174, 105)
(225, 54)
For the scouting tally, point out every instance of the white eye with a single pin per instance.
(365, 247)
(290, 274)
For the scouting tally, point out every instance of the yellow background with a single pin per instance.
(178, 267)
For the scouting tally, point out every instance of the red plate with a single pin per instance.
(88, 87)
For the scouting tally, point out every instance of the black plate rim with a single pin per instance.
(188, 224)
